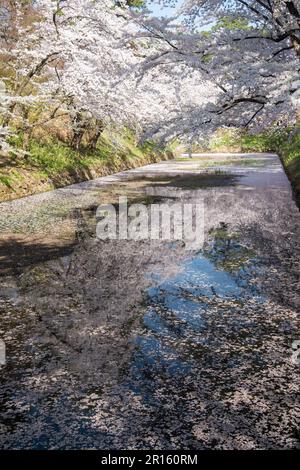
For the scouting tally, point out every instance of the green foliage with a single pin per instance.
(264, 142)
(235, 139)
(207, 57)
(53, 157)
(132, 3)
(233, 24)
(136, 3)
(6, 181)
(206, 34)
(289, 150)
(223, 138)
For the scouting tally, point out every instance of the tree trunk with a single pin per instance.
(76, 140)
(94, 140)
(79, 128)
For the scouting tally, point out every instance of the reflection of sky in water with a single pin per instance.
(174, 316)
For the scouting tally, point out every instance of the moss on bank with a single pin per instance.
(51, 164)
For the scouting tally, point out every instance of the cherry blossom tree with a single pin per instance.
(70, 58)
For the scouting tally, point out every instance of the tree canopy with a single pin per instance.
(213, 63)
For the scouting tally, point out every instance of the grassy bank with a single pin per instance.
(284, 142)
(50, 164)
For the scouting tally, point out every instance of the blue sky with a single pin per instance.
(159, 10)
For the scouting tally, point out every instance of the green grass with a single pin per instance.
(289, 150)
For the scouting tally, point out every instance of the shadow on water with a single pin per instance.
(21, 249)
(17, 252)
(32, 239)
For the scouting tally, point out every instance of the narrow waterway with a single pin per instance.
(143, 344)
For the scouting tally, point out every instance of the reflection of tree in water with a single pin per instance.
(225, 250)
